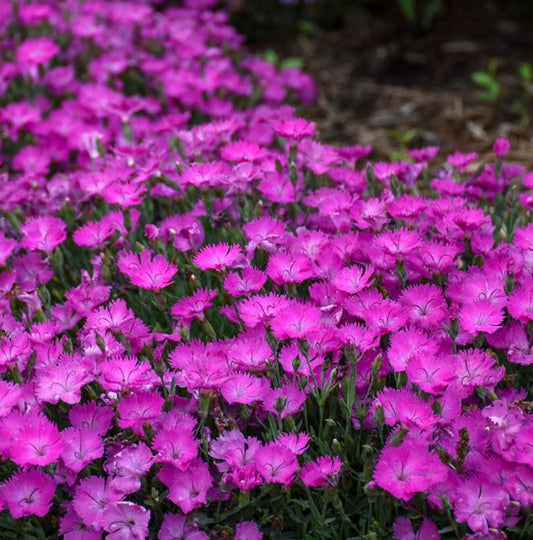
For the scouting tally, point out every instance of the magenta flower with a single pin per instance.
(260, 309)
(480, 316)
(289, 268)
(479, 504)
(7, 247)
(501, 147)
(36, 442)
(243, 151)
(404, 407)
(193, 307)
(477, 368)
(92, 500)
(127, 465)
(28, 493)
(353, 279)
(125, 520)
(35, 52)
(251, 280)
(520, 303)
(147, 272)
(176, 446)
(295, 129)
(426, 305)
(323, 472)
(125, 373)
(93, 234)
(403, 530)
(408, 469)
(243, 388)
(43, 233)
(285, 401)
(276, 463)
(91, 416)
(461, 160)
(82, 446)
(247, 530)
(296, 321)
(175, 526)
(137, 409)
(187, 489)
(218, 257)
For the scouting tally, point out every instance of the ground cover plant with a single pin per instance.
(215, 326)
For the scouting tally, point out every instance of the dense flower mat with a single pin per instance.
(213, 325)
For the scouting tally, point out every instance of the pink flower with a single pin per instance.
(404, 407)
(125, 520)
(480, 316)
(92, 500)
(408, 469)
(276, 463)
(296, 443)
(480, 504)
(477, 368)
(7, 247)
(124, 194)
(120, 374)
(295, 129)
(176, 446)
(285, 401)
(28, 493)
(520, 303)
(461, 160)
(175, 527)
(35, 52)
(218, 257)
(501, 147)
(193, 307)
(243, 151)
(127, 465)
(247, 530)
(146, 272)
(426, 305)
(91, 416)
(403, 530)
(82, 446)
(251, 280)
(322, 472)
(187, 489)
(289, 268)
(93, 234)
(296, 321)
(353, 279)
(43, 233)
(36, 441)
(137, 409)
(407, 345)
(243, 388)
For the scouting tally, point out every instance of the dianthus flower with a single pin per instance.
(92, 499)
(289, 268)
(477, 368)
(28, 493)
(276, 463)
(43, 233)
(408, 344)
(501, 147)
(480, 316)
(403, 530)
(408, 469)
(480, 504)
(125, 374)
(460, 160)
(247, 530)
(125, 520)
(146, 272)
(322, 472)
(137, 409)
(218, 257)
(520, 303)
(82, 446)
(404, 407)
(176, 446)
(127, 465)
(35, 52)
(193, 307)
(353, 279)
(263, 309)
(295, 129)
(175, 527)
(399, 242)
(425, 304)
(187, 489)
(93, 234)
(243, 151)
(296, 321)
(243, 388)
(285, 401)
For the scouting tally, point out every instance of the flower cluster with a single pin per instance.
(213, 325)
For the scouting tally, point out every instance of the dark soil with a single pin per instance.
(387, 84)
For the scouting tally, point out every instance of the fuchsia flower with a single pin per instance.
(175, 446)
(322, 472)
(218, 257)
(501, 147)
(251, 280)
(276, 463)
(243, 388)
(43, 233)
(296, 321)
(353, 279)
(403, 530)
(175, 526)
(28, 493)
(193, 307)
(138, 409)
(35, 52)
(125, 520)
(247, 530)
(147, 272)
(408, 469)
(480, 316)
(295, 129)
(82, 446)
(187, 489)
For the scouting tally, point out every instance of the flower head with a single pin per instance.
(28, 493)
(147, 272)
